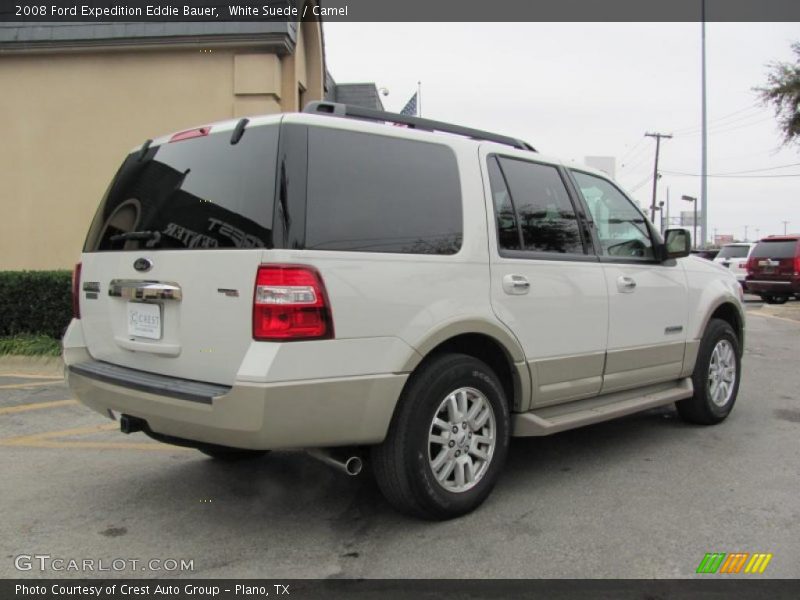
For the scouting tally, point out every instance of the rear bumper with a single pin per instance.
(352, 411)
(322, 412)
(778, 288)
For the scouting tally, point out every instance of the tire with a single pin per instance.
(225, 454)
(780, 300)
(418, 445)
(768, 299)
(716, 376)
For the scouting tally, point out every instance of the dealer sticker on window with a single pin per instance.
(144, 320)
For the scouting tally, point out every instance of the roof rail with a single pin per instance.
(357, 112)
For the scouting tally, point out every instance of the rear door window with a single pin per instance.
(533, 210)
(199, 193)
(374, 193)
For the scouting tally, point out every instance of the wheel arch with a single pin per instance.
(488, 343)
(730, 313)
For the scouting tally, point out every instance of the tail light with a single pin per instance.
(751, 266)
(290, 303)
(191, 133)
(797, 266)
(76, 291)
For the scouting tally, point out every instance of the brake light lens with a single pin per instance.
(76, 291)
(290, 303)
(191, 133)
(751, 266)
(797, 266)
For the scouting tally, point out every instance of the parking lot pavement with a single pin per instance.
(646, 496)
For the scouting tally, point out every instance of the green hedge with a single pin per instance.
(35, 302)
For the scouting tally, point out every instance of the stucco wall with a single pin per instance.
(68, 120)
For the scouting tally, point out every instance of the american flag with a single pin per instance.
(411, 106)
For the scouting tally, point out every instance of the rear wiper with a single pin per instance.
(152, 237)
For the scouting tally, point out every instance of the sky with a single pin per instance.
(586, 89)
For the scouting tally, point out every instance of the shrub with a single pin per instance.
(35, 302)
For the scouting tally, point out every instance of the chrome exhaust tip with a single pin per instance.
(350, 465)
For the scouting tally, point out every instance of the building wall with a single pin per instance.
(68, 119)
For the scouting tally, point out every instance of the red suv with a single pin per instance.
(773, 269)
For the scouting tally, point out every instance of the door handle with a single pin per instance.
(626, 284)
(516, 285)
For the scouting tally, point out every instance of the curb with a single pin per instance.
(52, 366)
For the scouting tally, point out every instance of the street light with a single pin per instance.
(694, 220)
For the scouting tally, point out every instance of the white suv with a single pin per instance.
(415, 295)
(734, 257)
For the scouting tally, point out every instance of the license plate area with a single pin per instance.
(144, 320)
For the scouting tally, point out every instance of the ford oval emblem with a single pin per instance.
(143, 264)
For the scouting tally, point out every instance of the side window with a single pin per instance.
(508, 234)
(373, 193)
(539, 206)
(621, 226)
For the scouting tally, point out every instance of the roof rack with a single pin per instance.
(357, 112)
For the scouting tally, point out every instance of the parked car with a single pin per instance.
(734, 257)
(410, 295)
(773, 269)
(707, 253)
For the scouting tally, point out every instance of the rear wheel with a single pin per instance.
(768, 299)
(447, 442)
(780, 299)
(715, 378)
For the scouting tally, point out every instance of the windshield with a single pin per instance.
(199, 193)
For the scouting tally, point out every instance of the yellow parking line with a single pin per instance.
(45, 440)
(10, 410)
(38, 437)
(19, 386)
(759, 314)
(29, 376)
(96, 445)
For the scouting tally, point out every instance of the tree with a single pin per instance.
(783, 93)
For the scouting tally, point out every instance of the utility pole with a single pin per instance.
(785, 223)
(658, 137)
(757, 234)
(704, 155)
(745, 233)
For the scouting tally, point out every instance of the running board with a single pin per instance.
(552, 419)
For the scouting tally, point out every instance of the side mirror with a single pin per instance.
(677, 243)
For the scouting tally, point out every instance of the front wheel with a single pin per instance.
(716, 376)
(448, 439)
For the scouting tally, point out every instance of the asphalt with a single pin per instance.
(643, 497)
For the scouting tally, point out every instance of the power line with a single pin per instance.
(749, 170)
(676, 173)
(641, 184)
(631, 149)
(726, 129)
(718, 120)
(633, 165)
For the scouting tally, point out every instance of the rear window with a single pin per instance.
(373, 193)
(776, 249)
(733, 252)
(196, 194)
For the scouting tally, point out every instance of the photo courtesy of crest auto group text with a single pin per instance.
(350, 298)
